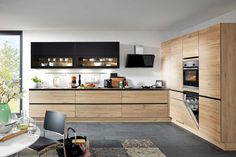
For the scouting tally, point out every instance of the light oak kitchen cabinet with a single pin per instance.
(210, 62)
(179, 112)
(217, 87)
(166, 63)
(210, 118)
(94, 105)
(176, 71)
(190, 45)
(56, 100)
(171, 60)
(149, 104)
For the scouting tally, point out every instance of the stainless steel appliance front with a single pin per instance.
(190, 73)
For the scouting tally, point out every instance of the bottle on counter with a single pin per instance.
(120, 84)
(125, 84)
(73, 82)
(79, 81)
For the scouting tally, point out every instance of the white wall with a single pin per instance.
(226, 18)
(136, 76)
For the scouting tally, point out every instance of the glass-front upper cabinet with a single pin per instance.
(52, 54)
(97, 54)
(52, 62)
(97, 62)
(75, 55)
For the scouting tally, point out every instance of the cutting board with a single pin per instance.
(11, 135)
(115, 81)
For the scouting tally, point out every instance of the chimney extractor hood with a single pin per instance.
(140, 60)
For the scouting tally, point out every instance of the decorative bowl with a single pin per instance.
(5, 128)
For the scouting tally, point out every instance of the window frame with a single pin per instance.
(20, 33)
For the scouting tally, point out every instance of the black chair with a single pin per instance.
(55, 123)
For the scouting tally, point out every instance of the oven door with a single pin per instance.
(190, 77)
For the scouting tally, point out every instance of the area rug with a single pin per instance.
(130, 148)
(114, 148)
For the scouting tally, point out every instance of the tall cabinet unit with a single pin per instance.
(209, 61)
(176, 64)
(171, 60)
(166, 63)
(217, 87)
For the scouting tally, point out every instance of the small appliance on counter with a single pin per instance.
(115, 81)
(159, 84)
(107, 83)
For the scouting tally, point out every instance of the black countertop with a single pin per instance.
(100, 88)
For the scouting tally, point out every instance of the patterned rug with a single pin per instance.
(130, 148)
(113, 148)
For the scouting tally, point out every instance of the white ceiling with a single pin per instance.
(148, 15)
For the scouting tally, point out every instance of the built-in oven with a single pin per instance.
(190, 73)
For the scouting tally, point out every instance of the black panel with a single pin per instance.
(101, 49)
(44, 50)
(138, 60)
(55, 49)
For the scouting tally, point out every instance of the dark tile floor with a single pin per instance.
(172, 140)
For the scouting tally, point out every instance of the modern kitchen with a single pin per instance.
(131, 88)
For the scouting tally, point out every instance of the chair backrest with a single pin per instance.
(54, 121)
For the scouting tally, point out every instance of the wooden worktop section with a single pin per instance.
(123, 105)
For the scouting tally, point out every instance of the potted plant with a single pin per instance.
(37, 81)
(9, 89)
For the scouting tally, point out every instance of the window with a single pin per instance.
(11, 59)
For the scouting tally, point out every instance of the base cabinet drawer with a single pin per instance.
(145, 110)
(98, 96)
(39, 110)
(209, 118)
(98, 110)
(52, 96)
(160, 96)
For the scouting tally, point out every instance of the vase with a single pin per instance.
(5, 113)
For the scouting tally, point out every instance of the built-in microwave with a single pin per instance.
(190, 73)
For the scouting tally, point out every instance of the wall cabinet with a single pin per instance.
(190, 45)
(75, 55)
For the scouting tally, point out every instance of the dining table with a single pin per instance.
(18, 143)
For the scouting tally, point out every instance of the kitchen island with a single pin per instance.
(102, 104)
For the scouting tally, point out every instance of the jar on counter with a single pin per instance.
(73, 82)
(121, 84)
